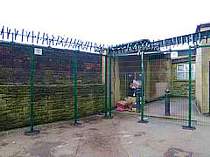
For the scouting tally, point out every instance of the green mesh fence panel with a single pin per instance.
(52, 84)
(160, 74)
(14, 86)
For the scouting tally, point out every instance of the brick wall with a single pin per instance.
(53, 85)
(157, 74)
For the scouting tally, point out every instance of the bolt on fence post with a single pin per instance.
(32, 131)
(106, 87)
(110, 85)
(75, 88)
(142, 101)
(189, 126)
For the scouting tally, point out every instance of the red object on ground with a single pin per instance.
(121, 106)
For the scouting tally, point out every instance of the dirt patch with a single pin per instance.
(142, 133)
(44, 149)
(99, 141)
(78, 134)
(64, 156)
(92, 119)
(65, 126)
(2, 144)
(44, 132)
(161, 141)
(176, 152)
(93, 129)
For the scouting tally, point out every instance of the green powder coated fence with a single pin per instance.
(62, 84)
(75, 86)
(37, 89)
(106, 87)
(160, 77)
(32, 96)
(110, 86)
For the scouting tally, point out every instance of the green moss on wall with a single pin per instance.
(53, 85)
(52, 103)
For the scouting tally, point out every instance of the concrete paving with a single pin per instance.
(178, 109)
(121, 136)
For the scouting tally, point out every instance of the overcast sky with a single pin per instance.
(107, 21)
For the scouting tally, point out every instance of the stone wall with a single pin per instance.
(53, 85)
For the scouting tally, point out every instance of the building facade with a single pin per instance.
(202, 73)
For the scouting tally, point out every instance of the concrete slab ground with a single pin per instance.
(121, 136)
(178, 107)
(178, 110)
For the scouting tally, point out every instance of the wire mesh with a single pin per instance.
(90, 84)
(53, 82)
(51, 86)
(160, 74)
(14, 86)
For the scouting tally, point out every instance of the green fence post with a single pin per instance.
(110, 85)
(101, 62)
(208, 114)
(75, 88)
(142, 101)
(32, 131)
(106, 87)
(189, 126)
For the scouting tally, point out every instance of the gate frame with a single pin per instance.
(189, 126)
